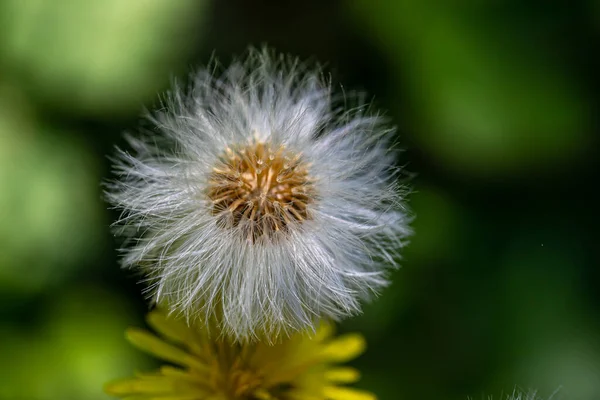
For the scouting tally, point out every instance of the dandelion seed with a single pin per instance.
(521, 395)
(259, 201)
(300, 367)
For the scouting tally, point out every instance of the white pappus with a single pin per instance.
(522, 395)
(259, 202)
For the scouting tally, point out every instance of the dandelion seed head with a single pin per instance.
(260, 190)
(518, 394)
(261, 199)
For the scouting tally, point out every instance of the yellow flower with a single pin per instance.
(302, 367)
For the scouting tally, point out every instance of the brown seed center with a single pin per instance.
(260, 189)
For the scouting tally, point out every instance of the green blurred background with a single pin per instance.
(495, 104)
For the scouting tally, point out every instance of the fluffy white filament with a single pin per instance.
(322, 266)
(522, 395)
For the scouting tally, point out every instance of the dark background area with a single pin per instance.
(495, 104)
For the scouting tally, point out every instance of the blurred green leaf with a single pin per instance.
(97, 56)
(50, 201)
(79, 347)
(484, 96)
(550, 339)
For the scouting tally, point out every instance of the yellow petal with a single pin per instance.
(345, 348)
(167, 370)
(342, 375)
(325, 330)
(139, 386)
(298, 395)
(171, 328)
(156, 388)
(262, 394)
(151, 344)
(176, 397)
(342, 393)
